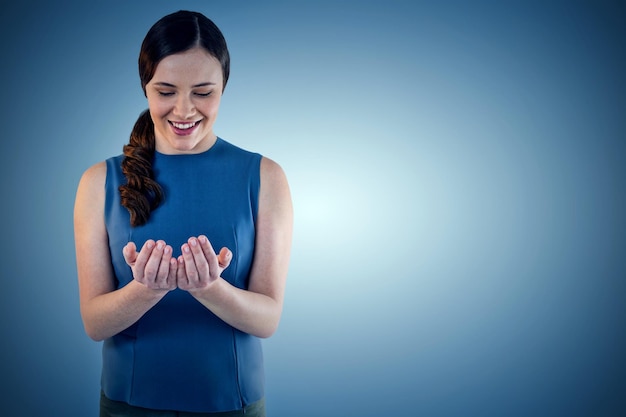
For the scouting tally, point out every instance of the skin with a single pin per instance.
(185, 88)
(105, 310)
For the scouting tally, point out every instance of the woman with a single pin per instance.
(181, 323)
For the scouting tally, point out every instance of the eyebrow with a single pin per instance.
(164, 84)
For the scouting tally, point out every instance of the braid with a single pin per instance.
(174, 33)
(141, 194)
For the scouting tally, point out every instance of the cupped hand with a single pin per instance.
(199, 266)
(153, 266)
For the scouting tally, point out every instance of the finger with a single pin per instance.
(181, 274)
(164, 267)
(172, 277)
(200, 259)
(130, 253)
(146, 251)
(210, 256)
(153, 263)
(224, 258)
(142, 259)
(190, 265)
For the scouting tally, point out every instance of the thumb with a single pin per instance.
(130, 253)
(224, 257)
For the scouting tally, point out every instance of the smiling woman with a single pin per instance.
(182, 328)
(182, 101)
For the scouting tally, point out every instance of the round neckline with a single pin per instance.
(218, 140)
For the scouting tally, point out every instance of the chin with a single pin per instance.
(185, 147)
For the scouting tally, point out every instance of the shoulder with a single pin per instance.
(90, 196)
(94, 175)
(271, 171)
(274, 186)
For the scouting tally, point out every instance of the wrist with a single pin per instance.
(209, 292)
(146, 292)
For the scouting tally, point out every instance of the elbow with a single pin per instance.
(267, 331)
(93, 331)
(90, 329)
(94, 326)
(94, 334)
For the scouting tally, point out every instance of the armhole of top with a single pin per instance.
(255, 187)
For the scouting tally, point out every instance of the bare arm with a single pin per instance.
(105, 310)
(256, 310)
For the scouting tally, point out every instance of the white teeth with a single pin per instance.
(183, 125)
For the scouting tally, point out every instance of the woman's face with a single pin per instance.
(184, 97)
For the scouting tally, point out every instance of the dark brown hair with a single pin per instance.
(172, 34)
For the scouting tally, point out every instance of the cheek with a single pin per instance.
(158, 109)
(209, 106)
(213, 106)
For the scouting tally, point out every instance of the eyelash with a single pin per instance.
(165, 94)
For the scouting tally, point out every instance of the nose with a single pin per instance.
(184, 107)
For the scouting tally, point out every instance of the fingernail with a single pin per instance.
(160, 245)
(194, 242)
(186, 248)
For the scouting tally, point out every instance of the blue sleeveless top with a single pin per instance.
(179, 355)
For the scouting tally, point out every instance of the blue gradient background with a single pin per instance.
(458, 177)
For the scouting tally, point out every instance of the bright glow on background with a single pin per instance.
(458, 176)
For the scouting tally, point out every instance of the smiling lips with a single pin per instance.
(184, 128)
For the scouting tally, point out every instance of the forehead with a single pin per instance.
(192, 66)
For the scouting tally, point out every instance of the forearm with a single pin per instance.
(108, 314)
(247, 311)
